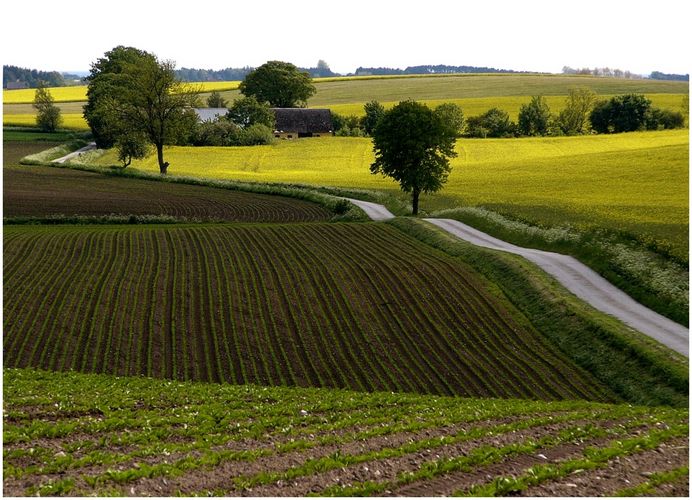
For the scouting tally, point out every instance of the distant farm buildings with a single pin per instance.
(302, 122)
(291, 123)
(17, 85)
(210, 114)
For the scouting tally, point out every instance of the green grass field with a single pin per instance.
(96, 435)
(635, 182)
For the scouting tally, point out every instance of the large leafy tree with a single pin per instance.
(413, 146)
(248, 111)
(373, 112)
(281, 84)
(105, 79)
(151, 102)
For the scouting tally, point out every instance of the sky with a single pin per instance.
(533, 35)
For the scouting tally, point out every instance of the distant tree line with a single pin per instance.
(323, 70)
(657, 75)
(231, 74)
(605, 72)
(431, 69)
(32, 77)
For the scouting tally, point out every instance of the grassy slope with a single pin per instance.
(634, 182)
(75, 434)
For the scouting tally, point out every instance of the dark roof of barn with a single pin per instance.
(303, 120)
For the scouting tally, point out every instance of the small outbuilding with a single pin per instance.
(17, 85)
(210, 114)
(302, 122)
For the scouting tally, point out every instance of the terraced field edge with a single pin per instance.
(75, 434)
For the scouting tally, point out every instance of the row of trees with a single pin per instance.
(582, 114)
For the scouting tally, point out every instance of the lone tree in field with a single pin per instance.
(48, 116)
(216, 100)
(413, 146)
(281, 84)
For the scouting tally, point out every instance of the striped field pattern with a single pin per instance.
(48, 191)
(96, 435)
(357, 306)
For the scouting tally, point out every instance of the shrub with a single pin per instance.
(216, 133)
(493, 123)
(534, 117)
(659, 119)
(255, 135)
(622, 113)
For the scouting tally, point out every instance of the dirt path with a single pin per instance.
(74, 154)
(373, 210)
(585, 284)
(579, 279)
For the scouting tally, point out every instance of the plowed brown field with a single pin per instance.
(358, 306)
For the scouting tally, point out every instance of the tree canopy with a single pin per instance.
(134, 97)
(534, 117)
(413, 145)
(281, 84)
(104, 80)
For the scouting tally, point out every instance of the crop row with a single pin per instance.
(43, 191)
(147, 437)
(352, 306)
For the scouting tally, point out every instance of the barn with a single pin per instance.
(302, 122)
(210, 114)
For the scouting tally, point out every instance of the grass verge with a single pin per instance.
(636, 368)
(647, 272)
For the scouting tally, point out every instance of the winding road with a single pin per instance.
(579, 279)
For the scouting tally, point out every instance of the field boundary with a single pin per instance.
(344, 210)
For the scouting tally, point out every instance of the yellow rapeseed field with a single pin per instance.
(78, 92)
(635, 182)
(73, 121)
(473, 106)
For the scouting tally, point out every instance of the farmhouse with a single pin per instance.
(16, 85)
(210, 114)
(302, 122)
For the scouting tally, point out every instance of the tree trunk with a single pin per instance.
(163, 166)
(416, 195)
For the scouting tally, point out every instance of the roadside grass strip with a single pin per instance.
(593, 458)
